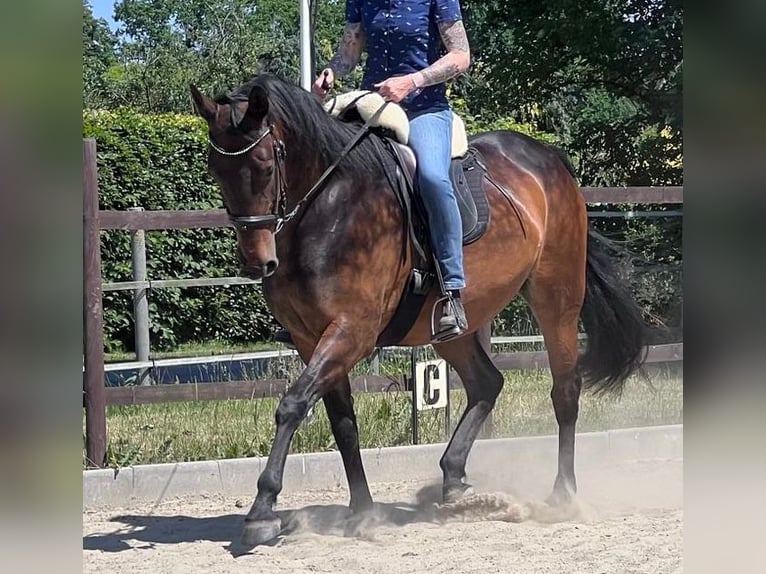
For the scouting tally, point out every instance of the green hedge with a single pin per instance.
(158, 162)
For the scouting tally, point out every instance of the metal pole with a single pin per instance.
(94, 391)
(415, 429)
(140, 300)
(447, 424)
(306, 80)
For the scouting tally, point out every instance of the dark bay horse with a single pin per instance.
(334, 273)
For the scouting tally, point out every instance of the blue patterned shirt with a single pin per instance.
(403, 38)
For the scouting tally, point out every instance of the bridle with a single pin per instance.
(277, 218)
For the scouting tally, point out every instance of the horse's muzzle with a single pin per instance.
(266, 270)
(257, 254)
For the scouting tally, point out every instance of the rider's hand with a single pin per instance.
(323, 83)
(397, 88)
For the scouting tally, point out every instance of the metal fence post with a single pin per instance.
(140, 301)
(448, 408)
(415, 421)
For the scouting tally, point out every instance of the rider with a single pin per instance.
(406, 64)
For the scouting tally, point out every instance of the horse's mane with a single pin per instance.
(308, 126)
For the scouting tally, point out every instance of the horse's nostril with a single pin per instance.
(270, 267)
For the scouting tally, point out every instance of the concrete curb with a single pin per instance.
(111, 488)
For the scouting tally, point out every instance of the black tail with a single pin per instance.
(613, 323)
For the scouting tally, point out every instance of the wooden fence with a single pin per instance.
(96, 395)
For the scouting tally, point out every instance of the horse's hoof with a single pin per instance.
(560, 497)
(455, 492)
(258, 532)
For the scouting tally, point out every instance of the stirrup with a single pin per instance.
(450, 333)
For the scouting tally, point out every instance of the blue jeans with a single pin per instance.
(431, 140)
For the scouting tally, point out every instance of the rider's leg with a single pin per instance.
(430, 139)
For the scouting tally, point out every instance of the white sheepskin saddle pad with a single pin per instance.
(393, 117)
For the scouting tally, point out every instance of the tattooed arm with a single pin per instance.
(454, 62)
(350, 49)
(345, 59)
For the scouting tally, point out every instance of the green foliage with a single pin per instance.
(158, 162)
(98, 55)
(166, 45)
(605, 77)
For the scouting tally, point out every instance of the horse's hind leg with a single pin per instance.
(556, 306)
(340, 410)
(483, 383)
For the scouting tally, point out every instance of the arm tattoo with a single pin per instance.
(439, 72)
(455, 61)
(350, 49)
(454, 37)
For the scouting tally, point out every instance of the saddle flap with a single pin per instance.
(468, 213)
(467, 175)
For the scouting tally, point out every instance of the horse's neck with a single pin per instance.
(303, 169)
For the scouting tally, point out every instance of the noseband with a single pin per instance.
(277, 218)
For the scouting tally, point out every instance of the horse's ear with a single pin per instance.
(258, 102)
(203, 105)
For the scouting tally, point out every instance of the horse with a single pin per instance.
(333, 269)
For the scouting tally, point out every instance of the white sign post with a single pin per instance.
(431, 384)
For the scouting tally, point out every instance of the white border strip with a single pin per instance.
(111, 488)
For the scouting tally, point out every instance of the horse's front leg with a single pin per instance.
(340, 410)
(336, 353)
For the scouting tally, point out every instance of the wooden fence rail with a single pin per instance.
(262, 388)
(95, 394)
(211, 218)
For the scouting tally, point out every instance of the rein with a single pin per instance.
(278, 218)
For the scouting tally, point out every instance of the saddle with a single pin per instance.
(467, 173)
(467, 169)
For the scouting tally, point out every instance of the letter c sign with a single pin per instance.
(431, 384)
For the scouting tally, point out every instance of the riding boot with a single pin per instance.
(453, 322)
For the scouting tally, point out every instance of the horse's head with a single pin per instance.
(245, 157)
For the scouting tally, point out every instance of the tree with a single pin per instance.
(218, 44)
(604, 76)
(98, 55)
